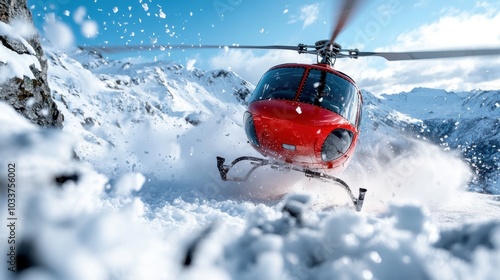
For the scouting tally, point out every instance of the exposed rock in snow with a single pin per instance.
(23, 67)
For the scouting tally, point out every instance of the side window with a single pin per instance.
(350, 103)
(360, 116)
(280, 83)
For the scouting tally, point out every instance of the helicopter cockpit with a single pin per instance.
(320, 88)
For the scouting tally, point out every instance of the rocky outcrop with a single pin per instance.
(29, 94)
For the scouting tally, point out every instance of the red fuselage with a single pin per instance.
(305, 115)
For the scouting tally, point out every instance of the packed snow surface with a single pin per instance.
(130, 190)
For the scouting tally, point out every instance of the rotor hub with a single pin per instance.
(327, 51)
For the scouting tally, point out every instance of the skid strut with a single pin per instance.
(258, 162)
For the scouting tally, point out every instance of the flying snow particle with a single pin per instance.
(23, 28)
(128, 183)
(79, 14)
(45, 112)
(375, 257)
(367, 274)
(261, 30)
(299, 110)
(190, 64)
(115, 10)
(58, 33)
(30, 102)
(190, 14)
(285, 11)
(90, 29)
(162, 14)
(145, 7)
(66, 13)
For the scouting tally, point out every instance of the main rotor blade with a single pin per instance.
(347, 10)
(395, 56)
(128, 48)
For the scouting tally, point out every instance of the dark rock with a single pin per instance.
(63, 178)
(30, 97)
(26, 256)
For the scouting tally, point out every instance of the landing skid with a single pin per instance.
(258, 162)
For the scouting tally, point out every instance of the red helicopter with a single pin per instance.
(306, 117)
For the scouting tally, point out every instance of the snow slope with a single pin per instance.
(129, 189)
(465, 121)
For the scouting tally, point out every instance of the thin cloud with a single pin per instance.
(421, 3)
(454, 30)
(308, 15)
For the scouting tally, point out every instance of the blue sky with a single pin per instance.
(378, 25)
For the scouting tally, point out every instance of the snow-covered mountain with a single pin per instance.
(466, 122)
(129, 189)
(137, 116)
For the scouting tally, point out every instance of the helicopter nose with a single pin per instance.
(294, 132)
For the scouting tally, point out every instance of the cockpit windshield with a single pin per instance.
(280, 83)
(321, 88)
(331, 92)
